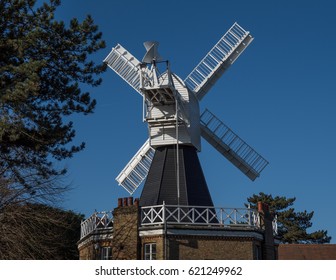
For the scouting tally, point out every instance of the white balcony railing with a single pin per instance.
(182, 215)
(199, 215)
(98, 220)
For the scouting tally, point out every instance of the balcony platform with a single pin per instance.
(179, 218)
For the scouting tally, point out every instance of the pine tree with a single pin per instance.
(44, 64)
(292, 225)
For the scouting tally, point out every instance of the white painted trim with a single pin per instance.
(204, 232)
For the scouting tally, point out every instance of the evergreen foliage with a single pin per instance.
(292, 225)
(43, 66)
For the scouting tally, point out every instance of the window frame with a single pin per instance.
(106, 253)
(150, 252)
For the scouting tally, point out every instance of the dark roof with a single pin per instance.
(307, 252)
(161, 184)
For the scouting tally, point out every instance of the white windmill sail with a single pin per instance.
(219, 58)
(230, 145)
(136, 169)
(125, 65)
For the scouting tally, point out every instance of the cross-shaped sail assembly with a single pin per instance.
(173, 116)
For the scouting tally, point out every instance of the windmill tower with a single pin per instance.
(168, 159)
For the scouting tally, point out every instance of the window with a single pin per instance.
(106, 253)
(150, 251)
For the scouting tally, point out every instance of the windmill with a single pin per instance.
(168, 159)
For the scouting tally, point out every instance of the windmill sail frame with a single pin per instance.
(136, 170)
(218, 60)
(230, 145)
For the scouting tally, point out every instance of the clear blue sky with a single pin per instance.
(279, 96)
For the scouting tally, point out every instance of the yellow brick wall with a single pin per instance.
(86, 252)
(199, 248)
(89, 251)
(189, 248)
(125, 245)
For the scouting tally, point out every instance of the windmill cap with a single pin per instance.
(152, 52)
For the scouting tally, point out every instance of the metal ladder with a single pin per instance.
(231, 146)
(137, 169)
(219, 58)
